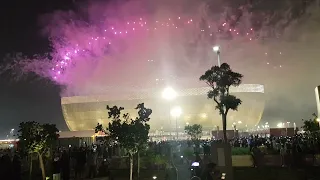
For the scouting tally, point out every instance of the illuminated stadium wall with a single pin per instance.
(84, 112)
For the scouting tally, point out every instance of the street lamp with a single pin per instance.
(169, 94)
(11, 133)
(216, 49)
(176, 112)
(204, 116)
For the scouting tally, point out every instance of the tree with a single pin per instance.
(220, 79)
(36, 138)
(311, 125)
(105, 139)
(195, 132)
(132, 134)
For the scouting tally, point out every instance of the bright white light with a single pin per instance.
(318, 119)
(169, 93)
(154, 177)
(280, 125)
(204, 115)
(216, 48)
(195, 164)
(239, 122)
(176, 111)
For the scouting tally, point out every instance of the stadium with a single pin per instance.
(84, 112)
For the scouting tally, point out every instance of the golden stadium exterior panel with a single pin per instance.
(84, 112)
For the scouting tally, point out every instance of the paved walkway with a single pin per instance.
(183, 170)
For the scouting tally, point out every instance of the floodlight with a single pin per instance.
(216, 49)
(169, 93)
(176, 111)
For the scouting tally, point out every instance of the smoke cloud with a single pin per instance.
(127, 46)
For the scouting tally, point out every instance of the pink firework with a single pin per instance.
(94, 56)
(98, 43)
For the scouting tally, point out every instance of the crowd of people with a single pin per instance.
(92, 161)
(80, 163)
(84, 162)
(10, 165)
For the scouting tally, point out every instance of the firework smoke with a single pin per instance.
(142, 42)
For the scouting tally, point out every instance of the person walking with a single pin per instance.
(65, 165)
(283, 154)
(92, 163)
(56, 167)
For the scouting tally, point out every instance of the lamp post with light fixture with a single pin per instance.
(216, 49)
(176, 112)
(169, 94)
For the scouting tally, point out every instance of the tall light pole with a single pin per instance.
(169, 94)
(176, 112)
(216, 49)
(11, 133)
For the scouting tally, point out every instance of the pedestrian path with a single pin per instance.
(183, 170)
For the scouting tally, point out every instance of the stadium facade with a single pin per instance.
(84, 112)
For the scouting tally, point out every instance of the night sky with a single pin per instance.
(20, 32)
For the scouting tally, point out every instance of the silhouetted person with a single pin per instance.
(80, 163)
(56, 167)
(16, 167)
(211, 173)
(92, 163)
(255, 154)
(6, 167)
(65, 165)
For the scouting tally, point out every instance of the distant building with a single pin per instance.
(76, 138)
(8, 143)
(277, 132)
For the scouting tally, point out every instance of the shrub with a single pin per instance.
(240, 151)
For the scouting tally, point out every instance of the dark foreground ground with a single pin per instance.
(277, 173)
(245, 173)
(240, 173)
